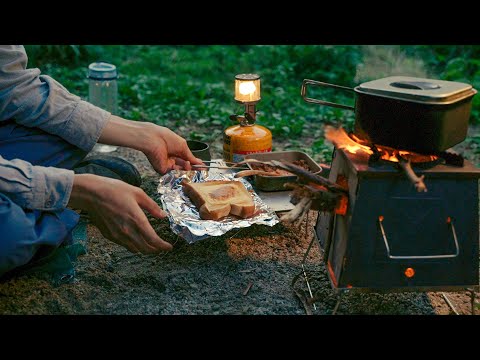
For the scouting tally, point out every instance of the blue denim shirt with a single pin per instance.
(35, 100)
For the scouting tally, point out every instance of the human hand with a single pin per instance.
(169, 151)
(116, 208)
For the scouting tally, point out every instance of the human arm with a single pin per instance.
(35, 100)
(38, 101)
(164, 149)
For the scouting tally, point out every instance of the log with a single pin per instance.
(322, 199)
(310, 196)
(307, 176)
(298, 211)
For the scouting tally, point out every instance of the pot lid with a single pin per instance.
(427, 91)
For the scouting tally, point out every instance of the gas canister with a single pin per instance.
(245, 138)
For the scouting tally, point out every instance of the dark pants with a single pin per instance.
(27, 235)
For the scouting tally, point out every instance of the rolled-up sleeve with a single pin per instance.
(36, 100)
(35, 187)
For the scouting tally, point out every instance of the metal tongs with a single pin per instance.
(245, 171)
(234, 166)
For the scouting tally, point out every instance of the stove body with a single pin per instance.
(393, 238)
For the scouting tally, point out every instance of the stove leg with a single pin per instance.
(308, 251)
(334, 312)
(449, 303)
(472, 300)
(303, 263)
(305, 277)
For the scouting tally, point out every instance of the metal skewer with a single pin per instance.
(219, 167)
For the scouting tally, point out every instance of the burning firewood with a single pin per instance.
(416, 181)
(298, 212)
(403, 158)
(311, 192)
(310, 196)
(322, 199)
(304, 175)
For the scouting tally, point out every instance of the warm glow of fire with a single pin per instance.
(356, 139)
(342, 140)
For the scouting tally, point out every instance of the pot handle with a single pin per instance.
(322, 102)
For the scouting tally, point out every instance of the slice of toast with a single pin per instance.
(219, 198)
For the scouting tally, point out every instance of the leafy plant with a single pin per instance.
(190, 87)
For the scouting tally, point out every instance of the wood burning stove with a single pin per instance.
(395, 238)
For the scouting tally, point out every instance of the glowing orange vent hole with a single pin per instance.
(409, 272)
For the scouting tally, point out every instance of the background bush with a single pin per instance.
(190, 87)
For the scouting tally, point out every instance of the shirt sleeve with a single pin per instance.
(35, 187)
(36, 100)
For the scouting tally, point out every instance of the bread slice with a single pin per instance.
(219, 198)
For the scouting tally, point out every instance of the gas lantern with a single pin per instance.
(246, 137)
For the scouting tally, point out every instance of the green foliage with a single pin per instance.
(57, 54)
(474, 142)
(454, 63)
(190, 87)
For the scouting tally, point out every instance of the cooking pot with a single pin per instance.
(408, 113)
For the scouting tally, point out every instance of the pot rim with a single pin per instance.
(440, 92)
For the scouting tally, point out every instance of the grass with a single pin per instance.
(189, 88)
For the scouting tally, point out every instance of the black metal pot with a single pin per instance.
(408, 113)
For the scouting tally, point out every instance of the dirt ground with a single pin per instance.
(243, 272)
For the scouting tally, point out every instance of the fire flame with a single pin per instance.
(342, 140)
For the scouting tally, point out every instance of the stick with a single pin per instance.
(302, 173)
(298, 211)
(292, 168)
(322, 199)
(300, 296)
(249, 286)
(248, 270)
(416, 181)
(449, 303)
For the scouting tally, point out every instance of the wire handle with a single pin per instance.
(415, 257)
